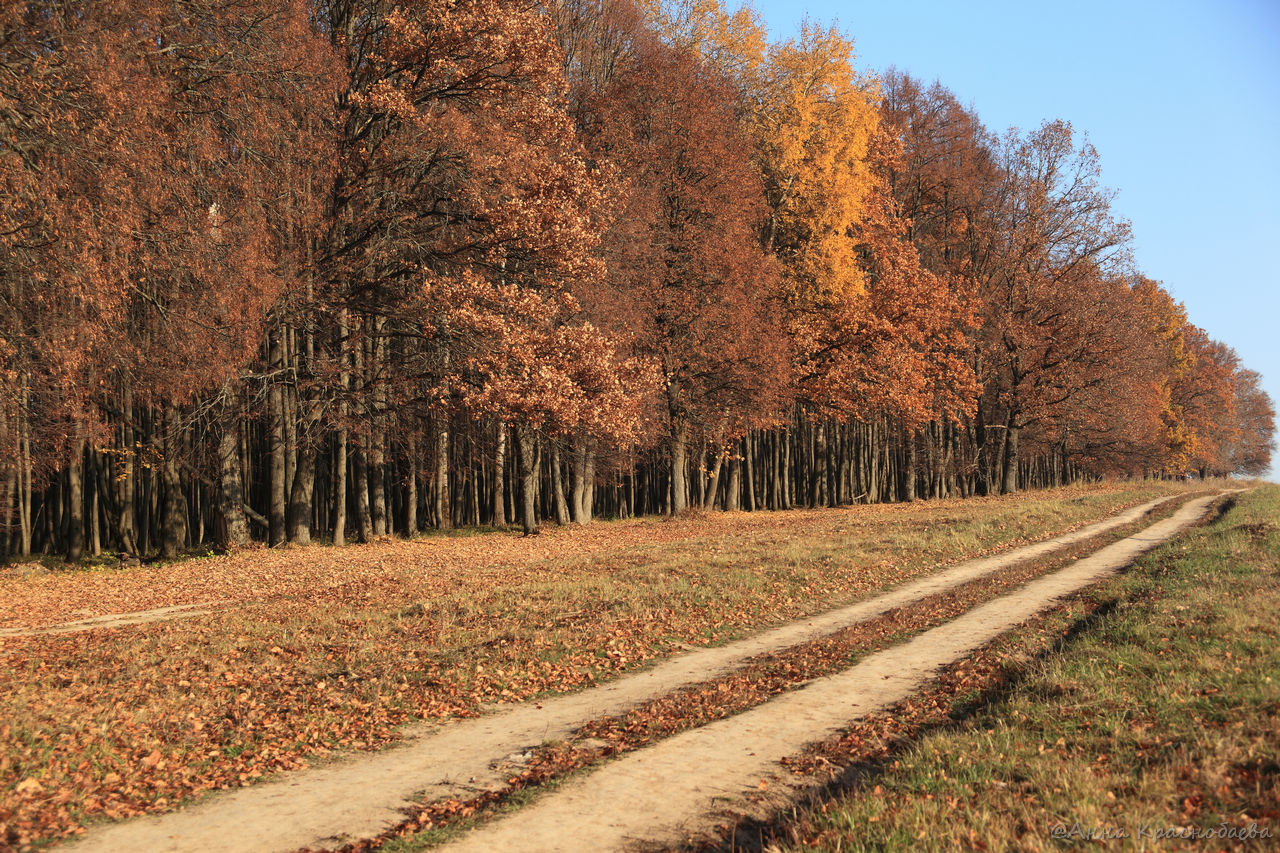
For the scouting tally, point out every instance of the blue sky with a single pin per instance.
(1182, 101)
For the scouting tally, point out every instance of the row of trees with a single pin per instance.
(279, 269)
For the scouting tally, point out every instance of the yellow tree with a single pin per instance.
(734, 42)
(860, 303)
(873, 334)
(815, 121)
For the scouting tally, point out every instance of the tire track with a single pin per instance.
(363, 795)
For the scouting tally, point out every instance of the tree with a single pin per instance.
(288, 263)
(875, 332)
(688, 281)
(1256, 416)
(815, 122)
(519, 359)
(1205, 397)
(1051, 232)
(945, 176)
(464, 214)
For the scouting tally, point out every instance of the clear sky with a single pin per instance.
(1181, 99)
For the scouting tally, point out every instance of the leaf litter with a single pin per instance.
(325, 649)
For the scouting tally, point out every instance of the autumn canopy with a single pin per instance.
(296, 269)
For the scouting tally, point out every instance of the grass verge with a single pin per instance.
(1153, 724)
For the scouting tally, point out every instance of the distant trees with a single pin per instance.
(1256, 418)
(1084, 365)
(285, 269)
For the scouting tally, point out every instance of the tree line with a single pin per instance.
(282, 270)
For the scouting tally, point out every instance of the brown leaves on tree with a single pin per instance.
(273, 239)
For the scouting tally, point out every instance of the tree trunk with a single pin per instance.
(785, 439)
(340, 454)
(475, 471)
(811, 459)
(235, 525)
(949, 459)
(583, 501)
(275, 405)
(377, 477)
(173, 529)
(95, 503)
(713, 484)
(340, 490)
(679, 469)
(300, 496)
(411, 484)
(75, 498)
(377, 444)
(774, 460)
(303, 488)
(442, 507)
(557, 488)
(909, 479)
(499, 474)
(360, 469)
(9, 446)
(125, 484)
(589, 485)
(289, 418)
(733, 495)
(701, 480)
(196, 512)
(1010, 481)
(24, 470)
(579, 478)
(831, 460)
(23, 499)
(528, 481)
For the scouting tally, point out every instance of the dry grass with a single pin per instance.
(322, 648)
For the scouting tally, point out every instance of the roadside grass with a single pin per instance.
(1156, 727)
(326, 648)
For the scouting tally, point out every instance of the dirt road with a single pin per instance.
(654, 794)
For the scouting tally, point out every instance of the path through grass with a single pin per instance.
(1157, 727)
(323, 648)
